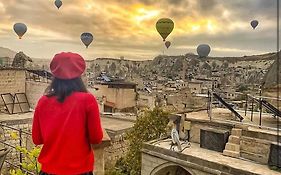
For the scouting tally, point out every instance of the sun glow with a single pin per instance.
(143, 14)
(195, 27)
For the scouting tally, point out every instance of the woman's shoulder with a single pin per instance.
(86, 95)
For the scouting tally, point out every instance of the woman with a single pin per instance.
(66, 120)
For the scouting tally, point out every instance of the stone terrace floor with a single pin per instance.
(114, 123)
(269, 123)
(216, 157)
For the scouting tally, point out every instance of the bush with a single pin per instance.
(30, 162)
(149, 126)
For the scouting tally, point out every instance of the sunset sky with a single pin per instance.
(127, 27)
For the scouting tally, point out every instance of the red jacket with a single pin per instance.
(66, 131)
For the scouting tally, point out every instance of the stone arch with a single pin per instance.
(163, 169)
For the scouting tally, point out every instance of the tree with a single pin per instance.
(149, 126)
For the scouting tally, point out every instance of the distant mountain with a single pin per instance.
(5, 52)
(238, 70)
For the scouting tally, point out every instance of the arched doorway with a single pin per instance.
(172, 170)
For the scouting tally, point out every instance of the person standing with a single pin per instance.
(66, 120)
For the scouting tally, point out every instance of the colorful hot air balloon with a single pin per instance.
(254, 23)
(58, 3)
(164, 27)
(203, 50)
(167, 44)
(87, 38)
(20, 29)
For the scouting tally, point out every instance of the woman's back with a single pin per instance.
(67, 121)
(66, 131)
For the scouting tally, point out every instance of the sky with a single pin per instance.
(127, 27)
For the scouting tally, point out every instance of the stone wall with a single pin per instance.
(146, 100)
(115, 151)
(34, 90)
(11, 81)
(255, 149)
(197, 125)
(121, 97)
(157, 163)
(256, 145)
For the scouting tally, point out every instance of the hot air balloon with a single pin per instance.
(164, 27)
(58, 3)
(167, 44)
(20, 29)
(87, 38)
(203, 50)
(254, 23)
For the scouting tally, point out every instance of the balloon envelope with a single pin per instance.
(164, 26)
(254, 23)
(58, 3)
(203, 50)
(87, 38)
(20, 29)
(167, 44)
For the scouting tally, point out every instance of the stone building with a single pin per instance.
(146, 100)
(119, 96)
(217, 148)
(195, 87)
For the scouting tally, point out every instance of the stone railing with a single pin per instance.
(99, 151)
(22, 129)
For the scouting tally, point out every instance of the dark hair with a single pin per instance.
(63, 88)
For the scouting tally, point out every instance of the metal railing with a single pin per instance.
(15, 158)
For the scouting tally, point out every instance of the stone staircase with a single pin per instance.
(232, 147)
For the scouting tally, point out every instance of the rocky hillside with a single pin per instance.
(244, 70)
(247, 69)
(5, 52)
(270, 79)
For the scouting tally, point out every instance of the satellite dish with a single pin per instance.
(176, 139)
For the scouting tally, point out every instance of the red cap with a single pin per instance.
(67, 65)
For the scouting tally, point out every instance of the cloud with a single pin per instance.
(127, 27)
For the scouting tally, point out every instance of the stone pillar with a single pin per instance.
(99, 154)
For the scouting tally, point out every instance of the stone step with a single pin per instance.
(236, 132)
(231, 153)
(232, 147)
(234, 139)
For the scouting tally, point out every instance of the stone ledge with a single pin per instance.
(232, 147)
(231, 153)
(234, 139)
(179, 158)
(236, 132)
(105, 141)
(254, 157)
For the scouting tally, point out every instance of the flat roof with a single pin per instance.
(206, 158)
(115, 124)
